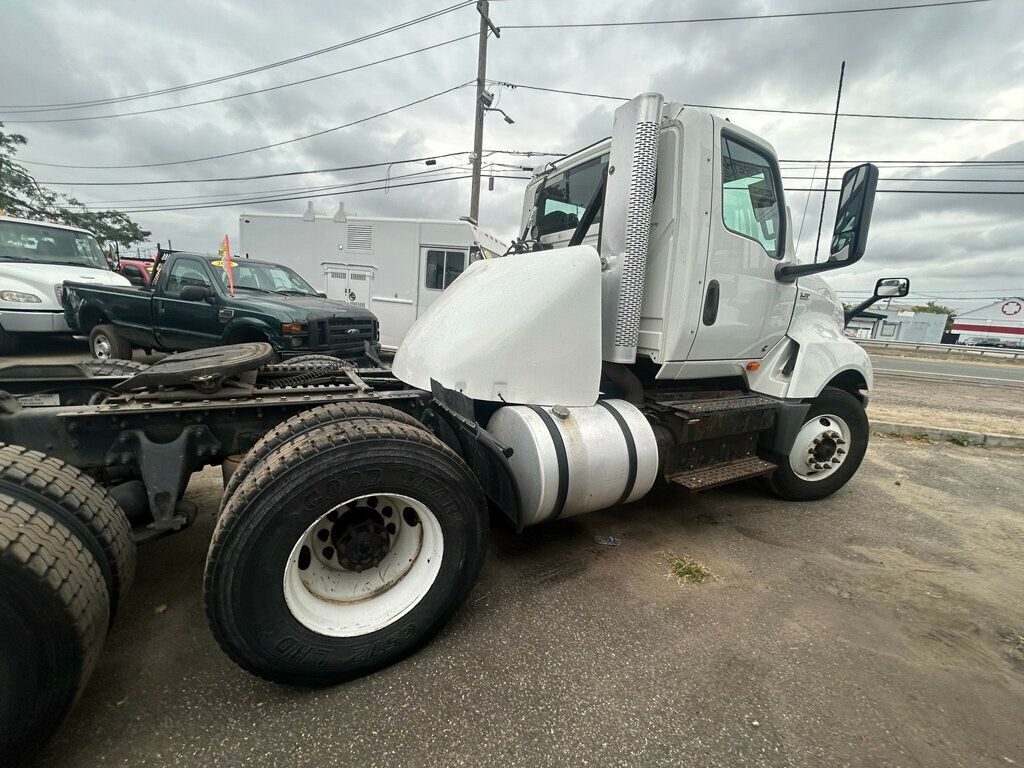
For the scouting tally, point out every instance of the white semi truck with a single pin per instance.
(654, 328)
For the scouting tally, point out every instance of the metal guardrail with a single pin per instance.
(944, 350)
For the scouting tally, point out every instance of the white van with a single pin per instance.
(36, 258)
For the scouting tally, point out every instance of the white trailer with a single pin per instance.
(396, 268)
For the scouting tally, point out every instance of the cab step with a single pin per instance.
(727, 472)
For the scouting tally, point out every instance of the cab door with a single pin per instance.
(181, 324)
(745, 311)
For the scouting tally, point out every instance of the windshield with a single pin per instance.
(263, 277)
(49, 245)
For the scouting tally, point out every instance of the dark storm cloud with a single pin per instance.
(947, 61)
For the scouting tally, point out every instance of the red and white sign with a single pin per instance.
(1011, 307)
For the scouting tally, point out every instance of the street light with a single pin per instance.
(508, 119)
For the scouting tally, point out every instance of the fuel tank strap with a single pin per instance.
(630, 450)
(561, 458)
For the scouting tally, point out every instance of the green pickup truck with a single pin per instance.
(189, 305)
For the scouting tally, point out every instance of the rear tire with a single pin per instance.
(66, 495)
(343, 624)
(55, 611)
(106, 343)
(304, 422)
(833, 412)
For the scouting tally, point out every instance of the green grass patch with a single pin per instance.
(688, 570)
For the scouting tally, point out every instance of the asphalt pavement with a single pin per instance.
(949, 370)
(883, 626)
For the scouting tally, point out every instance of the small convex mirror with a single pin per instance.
(856, 201)
(892, 287)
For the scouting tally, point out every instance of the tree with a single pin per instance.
(935, 308)
(21, 196)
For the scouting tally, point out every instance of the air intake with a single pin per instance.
(626, 223)
(360, 237)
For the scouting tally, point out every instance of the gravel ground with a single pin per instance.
(977, 407)
(881, 627)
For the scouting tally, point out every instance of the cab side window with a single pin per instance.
(565, 197)
(750, 195)
(186, 272)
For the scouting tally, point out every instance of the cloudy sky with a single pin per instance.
(965, 60)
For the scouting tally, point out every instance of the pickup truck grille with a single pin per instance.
(334, 334)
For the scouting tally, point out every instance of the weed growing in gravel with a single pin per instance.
(687, 570)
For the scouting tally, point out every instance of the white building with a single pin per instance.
(898, 323)
(394, 267)
(1003, 319)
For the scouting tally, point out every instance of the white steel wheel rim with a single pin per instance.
(101, 348)
(821, 447)
(326, 594)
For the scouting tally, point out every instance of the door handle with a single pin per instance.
(711, 303)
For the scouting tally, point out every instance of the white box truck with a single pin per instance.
(393, 267)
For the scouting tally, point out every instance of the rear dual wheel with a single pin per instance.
(54, 609)
(343, 550)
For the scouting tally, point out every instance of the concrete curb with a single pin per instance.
(962, 436)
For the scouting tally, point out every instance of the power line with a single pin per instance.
(210, 197)
(222, 78)
(265, 146)
(917, 191)
(244, 93)
(815, 113)
(259, 176)
(751, 17)
(260, 201)
(911, 178)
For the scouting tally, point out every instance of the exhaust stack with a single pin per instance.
(626, 223)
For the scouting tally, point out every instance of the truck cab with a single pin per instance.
(657, 268)
(35, 259)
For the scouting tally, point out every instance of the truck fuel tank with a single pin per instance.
(568, 461)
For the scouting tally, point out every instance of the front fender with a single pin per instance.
(237, 324)
(812, 355)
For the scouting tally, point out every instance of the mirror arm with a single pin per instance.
(788, 273)
(849, 314)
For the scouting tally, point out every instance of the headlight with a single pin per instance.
(19, 297)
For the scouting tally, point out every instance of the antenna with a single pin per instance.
(828, 166)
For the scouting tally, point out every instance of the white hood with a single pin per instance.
(522, 329)
(44, 281)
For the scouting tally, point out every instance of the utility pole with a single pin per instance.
(483, 7)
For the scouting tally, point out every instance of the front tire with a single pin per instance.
(344, 551)
(106, 343)
(828, 449)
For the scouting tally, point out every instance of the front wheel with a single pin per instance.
(343, 551)
(827, 451)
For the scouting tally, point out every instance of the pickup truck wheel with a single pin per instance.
(106, 343)
(55, 614)
(344, 551)
(304, 422)
(827, 451)
(66, 495)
